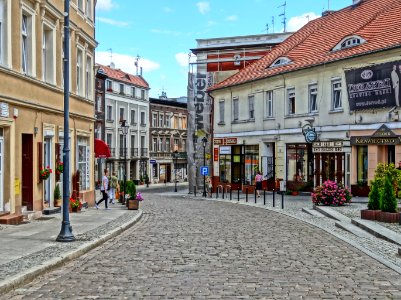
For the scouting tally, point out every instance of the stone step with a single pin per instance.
(331, 213)
(378, 230)
(4, 213)
(11, 219)
(353, 229)
(312, 212)
(31, 215)
(51, 210)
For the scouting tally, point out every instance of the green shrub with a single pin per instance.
(57, 194)
(387, 196)
(374, 196)
(131, 189)
(382, 170)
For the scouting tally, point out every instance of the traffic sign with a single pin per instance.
(204, 170)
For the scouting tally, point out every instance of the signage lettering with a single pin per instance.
(231, 141)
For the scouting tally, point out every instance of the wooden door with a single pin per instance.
(27, 171)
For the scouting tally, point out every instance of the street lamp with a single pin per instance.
(204, 142)
(175, 169)
(124, 129)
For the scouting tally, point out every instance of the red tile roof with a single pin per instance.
(376, 21)
(118, 74)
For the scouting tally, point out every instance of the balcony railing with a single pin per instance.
(122, 152)
(112, 152)
(134, 152)
(144, 152)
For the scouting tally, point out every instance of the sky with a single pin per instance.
(162, 32)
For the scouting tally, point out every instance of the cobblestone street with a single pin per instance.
(193, 249)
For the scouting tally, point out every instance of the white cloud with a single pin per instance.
(105, 4)
(182, 59)
(232, 18)
(167, 9)
(113, 22)
(203, 7)
(126, 62)
(297, 22)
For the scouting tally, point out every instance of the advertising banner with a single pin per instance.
(375, 86)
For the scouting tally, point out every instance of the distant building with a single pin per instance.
(168, 120)
(126, 99)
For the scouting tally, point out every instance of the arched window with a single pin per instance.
(348, 42)
(281, 61)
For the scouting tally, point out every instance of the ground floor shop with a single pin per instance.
(163, 171)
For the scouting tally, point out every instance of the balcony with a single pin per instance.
(144, 152)
(112, 152)
(134, 152)
(122, 152)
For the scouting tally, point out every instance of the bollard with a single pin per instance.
(274, 199)
(246, 194)
(264, 196)
(238, 194)
(255, 195)
(282, 200)
(231, 194)
(223, 194)
(217, 193)
(195, 190)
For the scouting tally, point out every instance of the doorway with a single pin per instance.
(47, 163)
(27, 171)
(1, 170)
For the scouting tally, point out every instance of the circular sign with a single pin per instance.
(310, 136)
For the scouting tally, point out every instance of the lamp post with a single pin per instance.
(175, 169)
(124, 129)
(65, 234)
(204, 142)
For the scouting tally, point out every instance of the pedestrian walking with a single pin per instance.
(258, 183)
(113, 185)
(104, 188)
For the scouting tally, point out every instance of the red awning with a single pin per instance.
(101, 149)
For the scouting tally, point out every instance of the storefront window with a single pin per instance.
(362, 164)
(237, 166)
(83, 162)
(297, 162)
(251, 163)
(225, 168)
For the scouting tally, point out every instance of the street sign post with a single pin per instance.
(204, 170)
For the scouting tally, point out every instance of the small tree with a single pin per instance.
(374, 196)
(57, 194)
(387, 196)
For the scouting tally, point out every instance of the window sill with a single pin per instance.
(143, 125)
(269, 118)
(221, 123)
(110, 121)
(336, 111)
(134, 124)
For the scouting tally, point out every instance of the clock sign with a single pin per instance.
(309, 133)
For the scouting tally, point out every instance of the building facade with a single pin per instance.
(126, 99)
(314, 110)
(31, 100)
(168, 120)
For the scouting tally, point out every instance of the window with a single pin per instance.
(84, 162)
(122, 115)
(27, 40)
(121, 89)
(251, 107)
(143, 118)
(142, 94)
(99, 103)
(3, 32)
(133, 143)
(348, 42)
(362, 164)
(88, 77)
(221, 111)
(160, 145)
(133, 92)
(176, 143)
(79, 72)
(235, 109)
(154, 120)
(109, 86)
(109, 140)
(109, 113)
(184, 145)
(336, 95)
(281, 61)
(313, 98)
(161, 120)
(184, 122)
(291, 101)
(269, 104)
(81, 5)
(88, 9)
(167, 144)
(154, 145)
(175, 122)
(48, 54)
(133, 119)
(168, 119)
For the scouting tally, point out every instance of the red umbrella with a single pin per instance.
(101, 149)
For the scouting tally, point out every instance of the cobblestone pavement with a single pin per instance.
(193, 249)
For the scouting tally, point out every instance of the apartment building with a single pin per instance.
(126, 102)
(322, 105)
(31, 99)
(168, 120)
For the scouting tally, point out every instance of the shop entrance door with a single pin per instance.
(1, 169)
(329, 166)
(47, 163)
(27, 171)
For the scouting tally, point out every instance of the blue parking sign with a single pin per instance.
(204, 171)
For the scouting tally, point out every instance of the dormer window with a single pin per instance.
(348, 42)
(281, 61)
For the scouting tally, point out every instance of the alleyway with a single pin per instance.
(186, 249)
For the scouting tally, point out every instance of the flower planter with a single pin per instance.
(370, 214)
(360, 190)
(58, 202)
(388, 217)
(133, 204)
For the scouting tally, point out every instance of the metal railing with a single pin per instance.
(144, 152)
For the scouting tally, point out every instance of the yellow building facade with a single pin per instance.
(31, 100)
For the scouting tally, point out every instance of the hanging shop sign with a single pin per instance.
(327, 147)
(231, 141)
(309, 133)
(225, 141)
(382, 136)
(374, 86)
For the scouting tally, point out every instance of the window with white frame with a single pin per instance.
(122, 114)
(336, 94)
(154, 120)
(154, 145)
(161, 120)
(313, 98)
(269, 104)
(89, 9)
(168, 121)
(48, 54)
(133, 141)
(291, 101)
(235, 109)
(160, 144)
(88, 77)
(142, 94)
(121, 88)
(183, 144)
(221, 111)
(109, 86)
(84, 162)
(99, 103)
(251, 107)
(109, 139)
(132, 92)
(143, 118)
(176, 143)
(79, 72)
(27, 41)
(133, 118)
(184, 122)
(109, 113)
(3, 31)
(168, 146)
(81, 5)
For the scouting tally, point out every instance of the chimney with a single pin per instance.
(356, 2)
(327, 12)
(141, 71)
(112, 65)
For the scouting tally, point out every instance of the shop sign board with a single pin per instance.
(225, 141)
(231, 141)
(382, 136)
(225, 150)
(218, 141)
(216, 154)
(327, 147)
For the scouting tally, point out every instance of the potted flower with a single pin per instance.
(331, 193)
(75, 205)
(57, 196)
(373, 211)
(133, 198)
(44, 173)
(59, 167)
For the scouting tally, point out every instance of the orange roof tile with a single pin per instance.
(122, 76)
(376, 21)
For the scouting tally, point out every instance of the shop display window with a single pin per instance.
(225, 168)
(362, 164)
(251, 163)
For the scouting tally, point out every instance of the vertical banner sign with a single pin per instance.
(191, 141)
(374, 86)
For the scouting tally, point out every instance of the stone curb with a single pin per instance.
(344, 239)
(31, 274)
